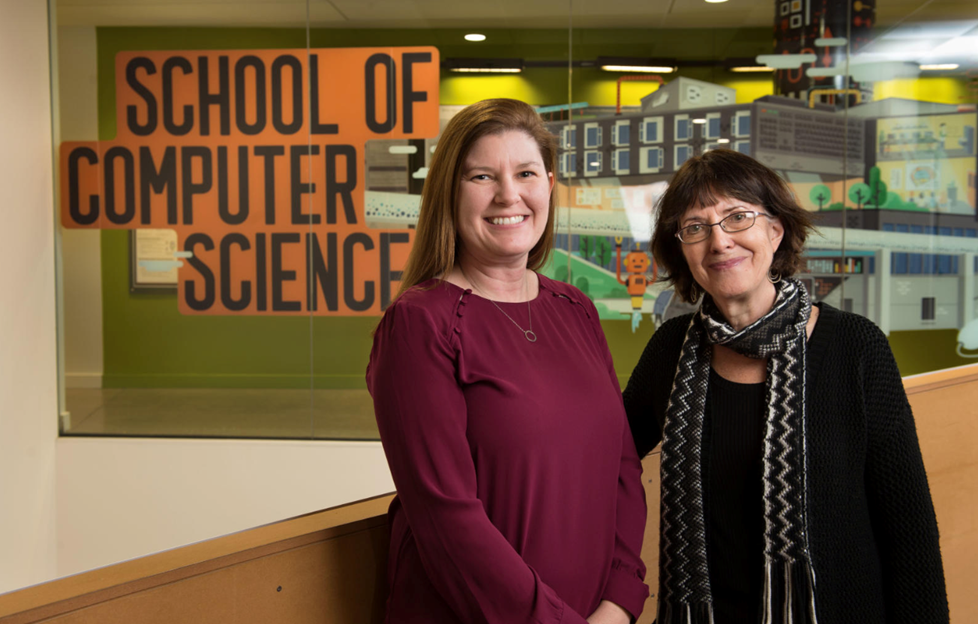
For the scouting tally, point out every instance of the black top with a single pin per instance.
(872, 531)
(733, 454)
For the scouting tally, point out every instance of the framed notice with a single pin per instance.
(153, 264)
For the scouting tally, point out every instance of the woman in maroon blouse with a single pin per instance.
(519, 497)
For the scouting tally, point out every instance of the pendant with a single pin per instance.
(530, 335)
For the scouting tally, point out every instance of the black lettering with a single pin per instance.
(300, 188)
(229, 302)
(316, 127)
(189, 187)
(370, 82)
(269, 152)
(357, 305)
(141, 62)
(279, 275)
(162, 180)
(386, 275)
(221, 99)
(74, 201)
(128, 185)
(343, 189)
(239, 94)
(296, 71)
(407, 82)
(227, 216)
(323, 273)
(261, 278)
(190, 286)
(188, 111)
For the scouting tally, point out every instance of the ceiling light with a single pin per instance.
(484, 65)
(715, 1)
(486, 70)
(939, 67)
(699, 121)
(751, 69)
(642, 69)
(723, 140)
(475, 37)
(745, 64)
(636, 65)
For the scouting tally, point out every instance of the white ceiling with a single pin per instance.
(430, 14)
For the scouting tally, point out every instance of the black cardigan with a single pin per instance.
(872, 529)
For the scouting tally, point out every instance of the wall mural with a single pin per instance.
(216, 146)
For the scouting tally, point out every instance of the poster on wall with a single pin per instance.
(254, 159)
(153, 264)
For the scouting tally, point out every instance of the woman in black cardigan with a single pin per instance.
(793, 488)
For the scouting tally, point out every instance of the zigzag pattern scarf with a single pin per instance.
(789, 581)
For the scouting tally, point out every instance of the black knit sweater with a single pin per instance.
(872, 529)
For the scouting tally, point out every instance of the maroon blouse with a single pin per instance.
(519, 494)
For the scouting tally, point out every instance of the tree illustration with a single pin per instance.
(587, 246)
(820, 194)
(584, 285)
(602, 250)
(860, 194)
(877, 188)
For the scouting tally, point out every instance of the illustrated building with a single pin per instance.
(899, 167)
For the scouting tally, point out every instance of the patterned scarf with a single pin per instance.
(789, 581)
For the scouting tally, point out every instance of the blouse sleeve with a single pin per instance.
(421, 414)
(899, 497)
(626, 582)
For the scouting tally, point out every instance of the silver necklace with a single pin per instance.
(528, 333)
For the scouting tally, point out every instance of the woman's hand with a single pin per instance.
(609, 613)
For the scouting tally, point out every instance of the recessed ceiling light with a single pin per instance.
(475, 37)
(751, 69)
(639, 69)
(487, 70)
(939, 67)
(715, 1)
(699, 121)
(484, 65)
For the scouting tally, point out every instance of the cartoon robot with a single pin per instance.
(636, 264)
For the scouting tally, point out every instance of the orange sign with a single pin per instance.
(256, 159)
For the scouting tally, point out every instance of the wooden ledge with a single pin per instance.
(88, 588)
(925, 382)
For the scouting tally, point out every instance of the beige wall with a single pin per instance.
(28, 353)
(120, 498)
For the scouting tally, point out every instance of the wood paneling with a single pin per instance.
(329, 566)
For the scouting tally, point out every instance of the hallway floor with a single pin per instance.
(222, 413)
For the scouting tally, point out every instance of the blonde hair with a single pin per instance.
(435, 240)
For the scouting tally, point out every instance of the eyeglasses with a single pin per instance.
(736, 222)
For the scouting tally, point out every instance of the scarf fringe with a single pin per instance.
(789, 593)
(671, 612)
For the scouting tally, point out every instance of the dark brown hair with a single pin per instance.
(703, 181)
(435, 241)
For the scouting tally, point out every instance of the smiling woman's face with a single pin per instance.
(503, 199)
(732, 266)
